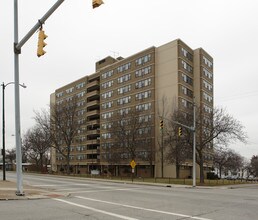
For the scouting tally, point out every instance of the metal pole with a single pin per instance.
(19, 183)
(162, 153)
(194, 147)
(3, 153)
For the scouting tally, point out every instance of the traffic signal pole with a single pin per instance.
(193, 129)
(17, 50)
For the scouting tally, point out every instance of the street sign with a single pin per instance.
(133, 164)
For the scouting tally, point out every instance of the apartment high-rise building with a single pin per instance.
(171, 75)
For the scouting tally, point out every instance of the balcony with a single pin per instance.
(93, 103)
(91, 132)
(93, 122)
(91, 113)
(93, 141)
(93, 85)
(93, 94)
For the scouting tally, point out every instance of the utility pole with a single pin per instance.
(194, 146)
(162, 145)
(3, 150)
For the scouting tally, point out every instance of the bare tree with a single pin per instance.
(178, 149)
(215, 128)
(220, 159)
(36, 145)
(225, 159)
(163, 112)
(63, 124)
(11, 155)
(130, 134)
(254, 165)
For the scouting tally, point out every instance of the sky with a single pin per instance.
(79, 36)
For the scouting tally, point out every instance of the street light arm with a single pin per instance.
(4, 85)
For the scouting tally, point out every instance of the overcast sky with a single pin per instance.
(78, 36)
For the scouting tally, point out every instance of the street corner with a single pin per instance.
(8, 192)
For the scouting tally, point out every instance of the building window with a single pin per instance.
(187, 79)
(143, 83)
(124, 78)
(106, 95)
(143, 60)
(207, 109)
(69, 98)
(107, 125)
(123, 68)
(107, 84)
(81, 94)
(207, 73)
(80, 112)
(107, 115)
(69, 90)
(60, 94)
(124, 89)
(186, 104)
(107, 74)
(143, 71)
(187, 67)
(145, 118)
(143, 95)
(143, 107)
(207, 97)
(60, 102)
(124, 100)
(124, 111)
(107, 105)
(80, 85)
(207, 62)
(106, 135)
(79, 104)
(207, 85)
(186, 54)
(187, 91)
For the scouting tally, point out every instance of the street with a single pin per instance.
(93, 199)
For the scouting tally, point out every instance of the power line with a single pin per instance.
(238, 96)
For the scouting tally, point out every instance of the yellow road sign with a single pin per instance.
(133, 164)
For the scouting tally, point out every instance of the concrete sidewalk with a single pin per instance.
(8, 189)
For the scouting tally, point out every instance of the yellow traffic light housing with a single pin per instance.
(180, 131)
(41, 43)
(97, 3)
(161, 124)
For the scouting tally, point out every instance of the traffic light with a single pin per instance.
(97, 3)
(161, 125)
(180, 131)
(41, 43)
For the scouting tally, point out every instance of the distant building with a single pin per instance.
(173, 70)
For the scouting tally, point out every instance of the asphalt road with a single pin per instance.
(94, 200)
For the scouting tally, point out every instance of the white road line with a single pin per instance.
(102, 190)
(96, 210)
(144, 209)
(42, 185)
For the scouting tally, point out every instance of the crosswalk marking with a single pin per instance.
(144, 209)
(97, 210)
